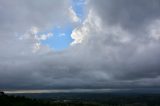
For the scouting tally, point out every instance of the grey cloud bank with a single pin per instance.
(117, 46)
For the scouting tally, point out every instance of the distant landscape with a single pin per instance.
(81, 99)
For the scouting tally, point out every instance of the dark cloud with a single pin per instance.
(130, 14)
(117, 46)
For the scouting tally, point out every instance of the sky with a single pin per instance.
(79, 44)
(62, 39)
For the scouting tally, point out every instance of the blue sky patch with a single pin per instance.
(61, 38)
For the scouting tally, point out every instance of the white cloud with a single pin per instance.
(73, 15)
(34, 38)
(82, 31)
(78, 35)
(44, 36)
(93, 25)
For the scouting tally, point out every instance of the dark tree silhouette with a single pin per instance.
(2, 93)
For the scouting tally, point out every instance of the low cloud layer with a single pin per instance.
(117, 45)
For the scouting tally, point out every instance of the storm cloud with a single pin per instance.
(116, 46)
